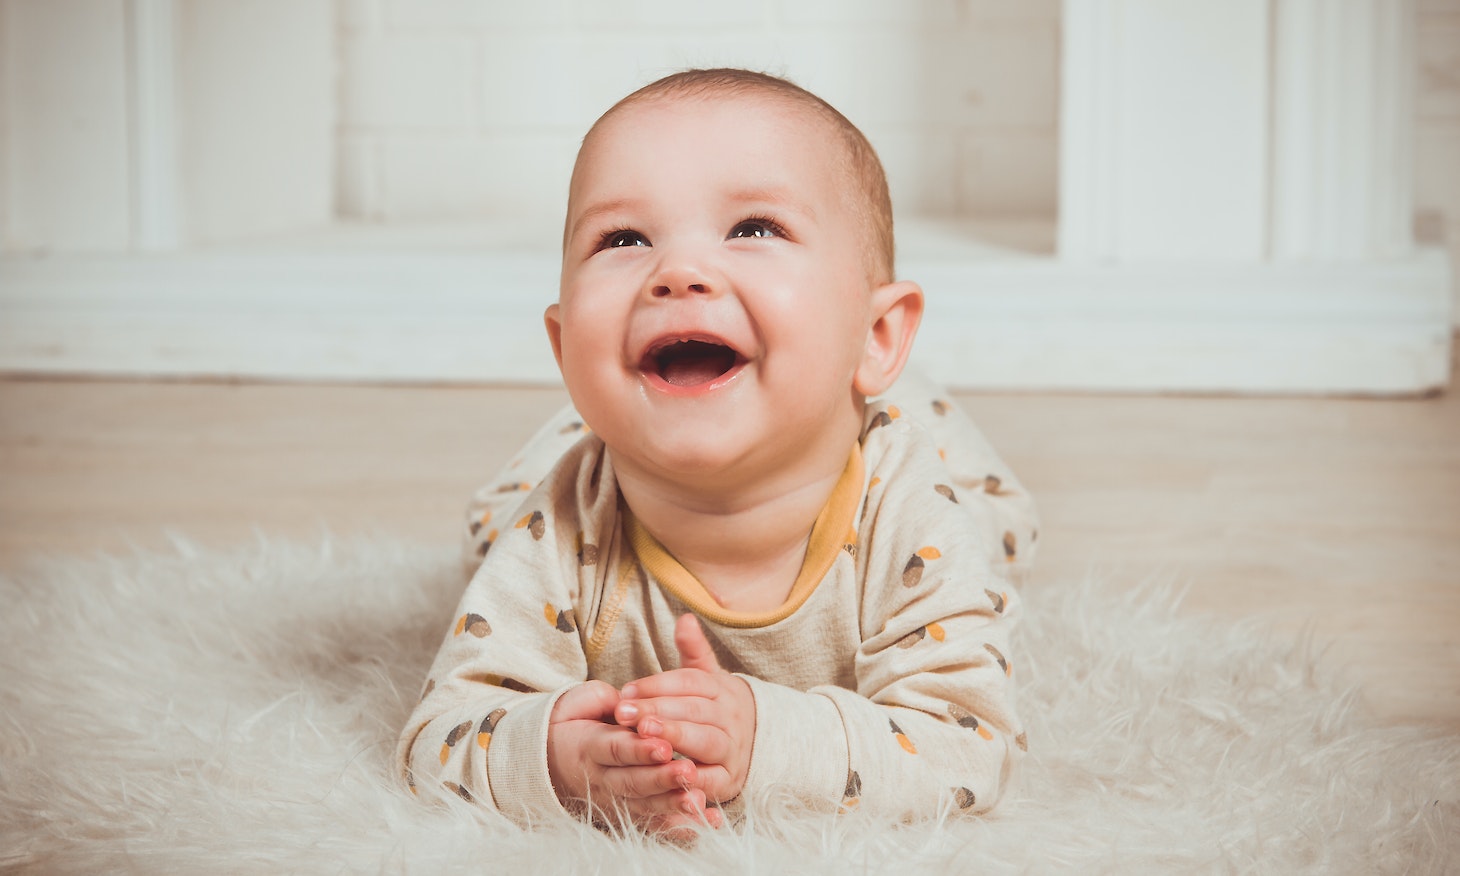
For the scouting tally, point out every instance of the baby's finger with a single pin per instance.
(631, 713)
(591, 700)
(647, 781)
(679, 814)
(694, 648)
(674, 683)
(623, 748)
(706, 743)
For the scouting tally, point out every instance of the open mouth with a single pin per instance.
(690, 362)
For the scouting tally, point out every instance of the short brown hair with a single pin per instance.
(874, 206)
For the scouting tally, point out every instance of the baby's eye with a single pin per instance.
(757, 228)
(623, 238)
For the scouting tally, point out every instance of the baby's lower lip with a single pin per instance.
(658, 383)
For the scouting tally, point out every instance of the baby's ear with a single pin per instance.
(554, 325)
(897, 308)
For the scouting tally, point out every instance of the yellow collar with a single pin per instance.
(832, 533)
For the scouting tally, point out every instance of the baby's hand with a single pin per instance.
(704, 712)
(618, 772)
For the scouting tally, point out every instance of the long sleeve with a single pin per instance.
(974, 469)
(489, 512)
(480, 729)
(930, 713)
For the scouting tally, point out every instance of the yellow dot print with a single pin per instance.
(902, 738)
(489, 726)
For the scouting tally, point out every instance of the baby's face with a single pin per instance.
(714, 305)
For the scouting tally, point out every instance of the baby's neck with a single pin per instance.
(745, 548)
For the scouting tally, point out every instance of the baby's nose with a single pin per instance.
(664, 291)
(681, 276)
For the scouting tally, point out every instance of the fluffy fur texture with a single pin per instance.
(196, 712)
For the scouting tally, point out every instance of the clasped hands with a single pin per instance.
(614, 750)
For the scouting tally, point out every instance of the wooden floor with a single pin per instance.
(1338, 515)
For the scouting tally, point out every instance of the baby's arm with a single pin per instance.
(509, 684)
(489, 513)
(973, 467)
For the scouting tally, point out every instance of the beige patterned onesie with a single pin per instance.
(884, 681)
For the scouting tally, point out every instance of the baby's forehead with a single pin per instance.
(795, 118)
(792, 120)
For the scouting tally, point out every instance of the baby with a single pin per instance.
(740, 580)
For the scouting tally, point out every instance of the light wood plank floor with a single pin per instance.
(1337, 515)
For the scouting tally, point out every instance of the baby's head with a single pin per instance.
(727, 300)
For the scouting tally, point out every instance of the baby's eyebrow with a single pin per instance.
(777, 196)
(617, 205)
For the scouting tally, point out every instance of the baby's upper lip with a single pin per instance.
(668, 339)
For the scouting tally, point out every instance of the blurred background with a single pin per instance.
(1244, 195)
(279, 267)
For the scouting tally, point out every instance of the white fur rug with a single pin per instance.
(201, 712)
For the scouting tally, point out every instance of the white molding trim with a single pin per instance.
(1378, 327)
(152, 118)
(1164, 129)
(1342, 128)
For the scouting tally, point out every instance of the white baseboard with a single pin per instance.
(994, 322)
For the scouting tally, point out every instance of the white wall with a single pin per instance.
(66, 183)
(237, 99)
(144, 125)
(256, 138)
(455, 108)
(1437, 133)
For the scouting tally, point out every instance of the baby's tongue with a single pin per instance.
(694, 363)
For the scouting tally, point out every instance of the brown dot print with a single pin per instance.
(1003, 664)
(452, 738)
(575, 426)
(474, 624)
(946, 492)
(509, 684)
(1010, 546)
(964, 798)
(902, 738)
(966, 719)
(992, 484)
(489, 726)
(411, 782)
(1022, 740)
(562, 620)
(518, 487)
(534, 523)
(932, 630)
(940, 407)
(486, 544)
(853, 789)
(476, 525)
(998, 599)
(458, 790)
(587, 552)
(849, 542)
(881, 419)
(912, 573)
